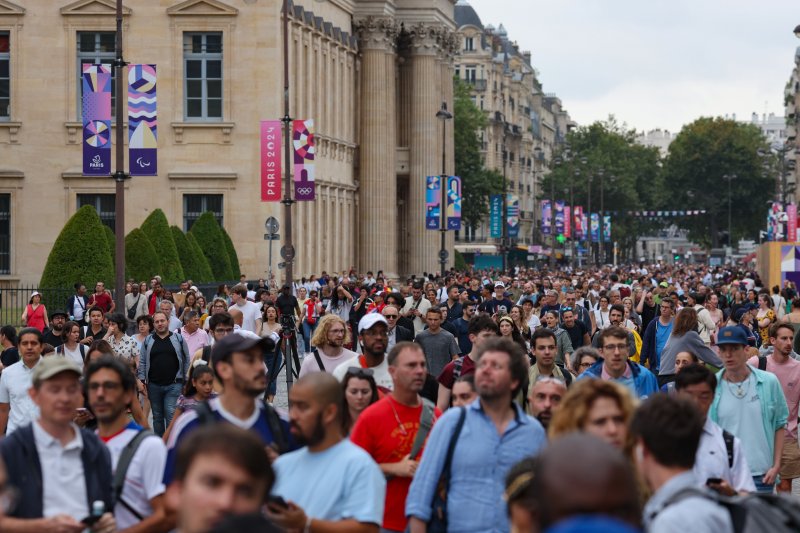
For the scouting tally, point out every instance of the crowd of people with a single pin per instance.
(649, 397)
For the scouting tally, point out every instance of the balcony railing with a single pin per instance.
(478, 85)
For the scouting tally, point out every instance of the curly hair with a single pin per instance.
(320, 337)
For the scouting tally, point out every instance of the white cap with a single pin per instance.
(369, 320)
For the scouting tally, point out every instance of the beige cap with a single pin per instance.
(51, 365)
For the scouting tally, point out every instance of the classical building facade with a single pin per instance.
(525, 124)
(371, 73)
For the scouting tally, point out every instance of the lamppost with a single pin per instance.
(729, 178)
(504, 218)
(119, 175)
(538, 156)
(287, 251)
(600, 173)
(602, 251)
(444, 115)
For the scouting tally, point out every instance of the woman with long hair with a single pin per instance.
(601, 313)
(517, 315)
(72, 349)
(189, 304)
(509, 330)
(269, 326)
(563, 342)
(765, 317)
(199, 388)
(712, 305)
(684, 338)
(360, 391)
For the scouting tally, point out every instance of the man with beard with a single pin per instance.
(53, 335)
(373, 332)
(139, 504)
(237, 360)
(393, 430)
(330, 484)
(544, 397)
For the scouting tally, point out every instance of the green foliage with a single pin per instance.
(699, 157)
(188, 256)
(460, 264)
(112, 244)
(157, 230)
(204, 272)
(209, 236)
(477, 183)
(75, 256)
(234, 258)
(141, 258)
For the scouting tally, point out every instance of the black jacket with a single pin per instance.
(24, 471)
(403, 334)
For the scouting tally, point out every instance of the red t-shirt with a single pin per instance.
(447, 377)
(378, 432)
(103, 301)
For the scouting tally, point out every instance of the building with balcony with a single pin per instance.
(792, 102)
(525, 127)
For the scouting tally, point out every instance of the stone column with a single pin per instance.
(377, 220)
(424, 143)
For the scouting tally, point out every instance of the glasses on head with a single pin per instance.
(359, 372)
(107, 385)
(566, 309)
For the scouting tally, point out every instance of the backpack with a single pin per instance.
(205, 415)
(125, 459)
(754, 513)
(81, 347)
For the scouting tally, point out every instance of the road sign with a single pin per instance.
(443, 255)
(272, 225)
(287, 252)
(272, 237)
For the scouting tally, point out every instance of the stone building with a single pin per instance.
(525, 124)
(372, 74)
(792, 101)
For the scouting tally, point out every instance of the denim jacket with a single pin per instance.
(181, 349)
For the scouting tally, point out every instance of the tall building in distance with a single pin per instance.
(792, 102)
(525, 128)
(371, 73)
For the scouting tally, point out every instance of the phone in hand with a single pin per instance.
(713, 481)
(91, 520)
(277, 501)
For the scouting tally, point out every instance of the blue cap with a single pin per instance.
(731, 335)
(591, 523)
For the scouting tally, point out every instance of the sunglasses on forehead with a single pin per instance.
(359, 372)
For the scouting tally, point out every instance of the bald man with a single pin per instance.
(237, 316)
(348, 489)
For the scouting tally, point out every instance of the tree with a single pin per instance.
(157, 230)
(234, 258)
(75, 257)
(203, 267)
(111, 239)
(209, 236)
(141, 258)
(193, 268)
(477, 183)
(699, 157)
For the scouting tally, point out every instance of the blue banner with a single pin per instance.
(453, 202)
(496, 216)
(96, 115)
(512, 215)
(607, 228)
(547, 213)
(433, 199)
(594, 227)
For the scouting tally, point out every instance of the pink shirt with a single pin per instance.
(195, 340)
(788, 374)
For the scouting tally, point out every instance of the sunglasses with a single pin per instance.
(359, 372)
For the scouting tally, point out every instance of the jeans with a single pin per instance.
(308, 332)
(162, 401)
(761, 487)
(273, 361)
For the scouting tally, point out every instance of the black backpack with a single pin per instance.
(205, 415)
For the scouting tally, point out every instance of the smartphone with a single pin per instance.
(91, 520)
(277, 501)
(81, 410)
(713, 481)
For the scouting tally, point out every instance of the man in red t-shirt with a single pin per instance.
(388, 428)
(480, 328)
(102, 298)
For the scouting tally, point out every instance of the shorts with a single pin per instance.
(790, 460)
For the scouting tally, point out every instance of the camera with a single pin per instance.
(287, 322)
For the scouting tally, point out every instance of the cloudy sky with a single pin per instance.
(656, 63)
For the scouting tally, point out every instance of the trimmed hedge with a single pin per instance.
(204, 269)
(76, 255)
(209, 236)
(157, 230)
(141, 258)
(235, 269)
(112, 245)
(187, 255)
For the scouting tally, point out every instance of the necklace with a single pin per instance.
(738, 389)
(397, 418)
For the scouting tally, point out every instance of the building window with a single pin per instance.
(5, 75)
(195, 205)
(95, 47)
(470, 73)
(5, 234)
(469, 44)
(104, 204)
(202, 61)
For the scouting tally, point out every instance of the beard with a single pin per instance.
(316, 436)
(249, 387)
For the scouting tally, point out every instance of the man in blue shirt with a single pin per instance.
(656, 335)
(495, 434)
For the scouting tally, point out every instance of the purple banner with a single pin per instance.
(577, 215)
(96, 111)
(512, 215)
(559, 217)
(433, 200)
(547, 214)
(142, 120)
(594, 227)
(453, 203)
(303, 144)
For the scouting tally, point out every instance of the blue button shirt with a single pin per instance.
(481, 461)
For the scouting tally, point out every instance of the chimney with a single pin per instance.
(527, 56)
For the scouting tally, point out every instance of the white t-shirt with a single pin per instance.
(144, 479)
(381, 372)
(76, 356)
(250, 312)
(310, 365)
(63, 480)
(15, 381)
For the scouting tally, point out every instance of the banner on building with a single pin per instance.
(512, 215)
(559, 213)
(577, 217)
(547, 213)
(567, 221)
(303, 147)
(271, 160)
(496, 216)
(142, 120)
(96, 115)
(594, 227)
(774, 232)
(453, 203)
(433, 202)
(791, 222)
(607, 228)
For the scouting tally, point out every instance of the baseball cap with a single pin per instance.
(731, 335)
(370, 320)
(49, 367)
(664, 284)
(500, 284)
(238, 341)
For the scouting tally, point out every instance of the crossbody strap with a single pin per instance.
(319, 360)
(124, 463)
(444, 478)
(425, 425)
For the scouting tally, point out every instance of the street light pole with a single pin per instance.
(729, 178)
(288, 246)
(119, 174)
(504, 240)
(444, 115)
(572, 215)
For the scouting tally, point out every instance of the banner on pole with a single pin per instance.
(453, 202)
(496, 216)
(773, 222)
(559, 217)
(577, 215)
(433, 195)
(142, 120)
(607, 228)
(270, 160)
(791, 222)
(303, 147)
(547, 213)
(512, 216)
(96, 111)
(567, 221)
(594, 227)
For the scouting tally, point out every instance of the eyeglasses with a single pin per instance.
(616, 347)
(337, 331)
(586, 365)
(359, 372)
(107, 385)
(391, 317)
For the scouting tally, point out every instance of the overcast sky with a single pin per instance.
(656, 63)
